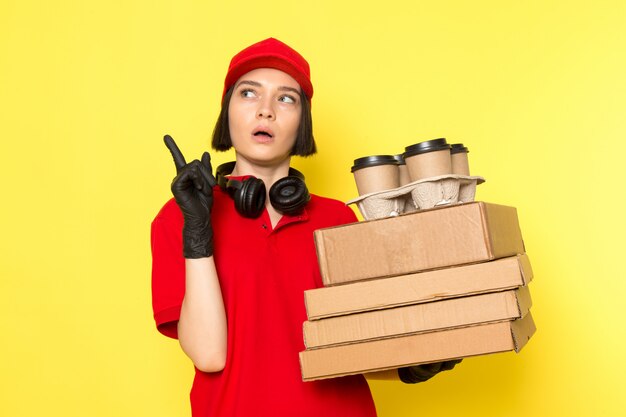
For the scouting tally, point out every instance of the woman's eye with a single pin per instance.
(287, 99)
(247, 93)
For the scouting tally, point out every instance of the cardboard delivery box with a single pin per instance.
(418, 318)
(429, 239)
(396, 352)
(498, 275)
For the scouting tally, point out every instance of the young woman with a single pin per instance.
(233, 256)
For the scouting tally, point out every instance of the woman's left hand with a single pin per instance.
(421, 373)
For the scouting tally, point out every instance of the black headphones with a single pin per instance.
(288, 195)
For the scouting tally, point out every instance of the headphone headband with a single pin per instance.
(288, 195)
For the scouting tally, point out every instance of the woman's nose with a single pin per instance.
(265, 110)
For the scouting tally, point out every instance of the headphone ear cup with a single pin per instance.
(289, 195)
(250, 197)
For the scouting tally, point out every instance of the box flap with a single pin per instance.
(502, 230)
(525, 268)
(320, 250)
(522, 330)
(524, 302)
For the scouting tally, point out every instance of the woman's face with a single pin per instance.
(264, 115)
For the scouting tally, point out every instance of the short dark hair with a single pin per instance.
(305, 143)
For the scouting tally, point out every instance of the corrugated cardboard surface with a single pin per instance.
(455, 312)
(442, 237)
(402, 351)
(504, 232)
(421, 287)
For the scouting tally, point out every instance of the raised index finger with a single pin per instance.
(179, 159)
(207, 170)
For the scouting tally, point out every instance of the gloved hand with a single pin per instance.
(193, 190)
(421, 373)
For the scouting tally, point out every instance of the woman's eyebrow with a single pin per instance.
(252, 83)
(258, 84)
(294, 90)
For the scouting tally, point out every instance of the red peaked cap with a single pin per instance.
(270, 53)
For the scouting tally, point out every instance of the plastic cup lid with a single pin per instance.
(400, 159)
(426, 146)
(372, 161)
(458, 148)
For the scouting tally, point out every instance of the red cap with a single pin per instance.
(270, 53)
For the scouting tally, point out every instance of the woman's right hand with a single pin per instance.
(193, 190)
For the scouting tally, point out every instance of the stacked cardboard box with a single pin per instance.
(425, 287)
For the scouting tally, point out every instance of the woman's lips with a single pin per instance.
(263, 131)
(262, 134)
(262, 139)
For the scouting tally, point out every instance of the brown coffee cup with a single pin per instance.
(404, 171)
(459, 160)
(376, 173)
(428, 159)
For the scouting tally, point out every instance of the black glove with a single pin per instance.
(193, 190)
(421, 373)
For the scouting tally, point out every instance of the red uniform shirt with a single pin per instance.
(263, 274)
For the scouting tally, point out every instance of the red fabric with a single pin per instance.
(263, 274)
(270, 53)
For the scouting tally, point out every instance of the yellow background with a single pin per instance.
(536, 90)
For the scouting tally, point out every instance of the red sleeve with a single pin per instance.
(349, 216)
(168, 268)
